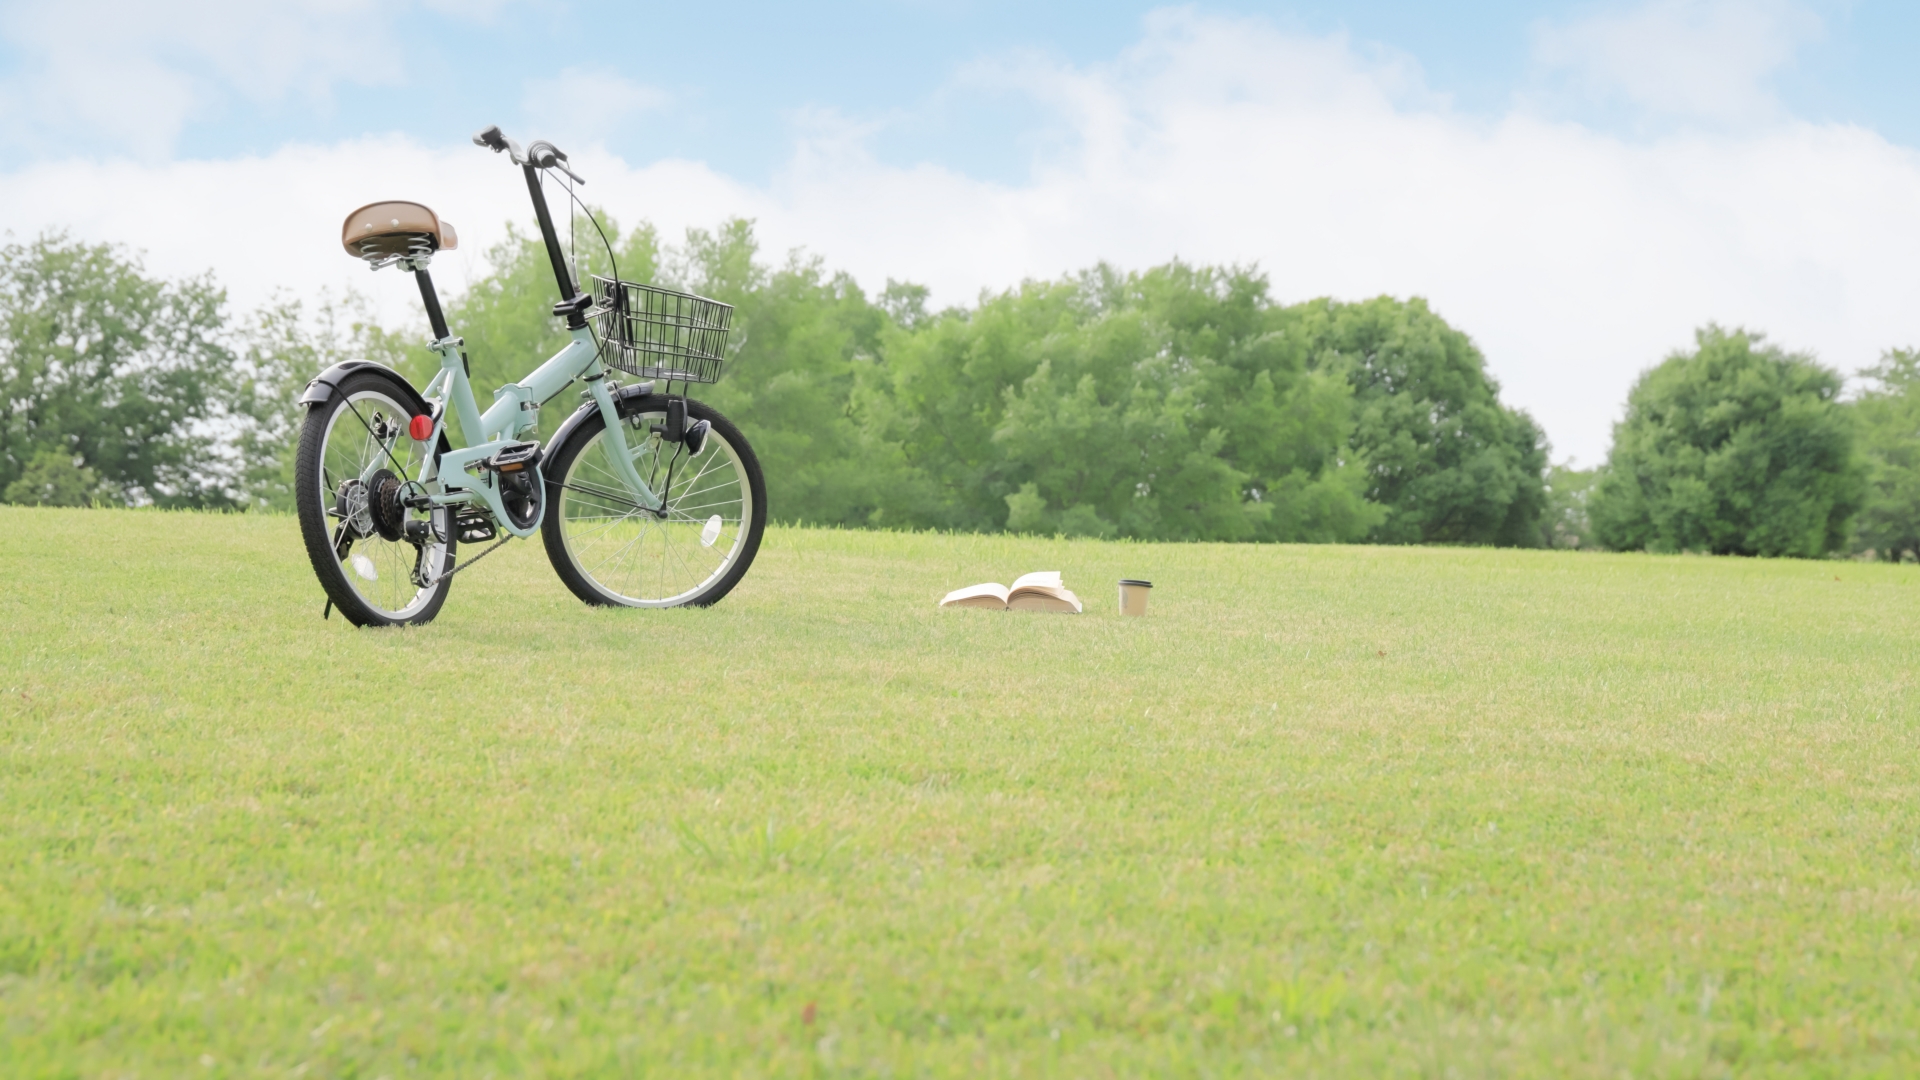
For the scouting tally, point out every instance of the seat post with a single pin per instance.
(431, 299)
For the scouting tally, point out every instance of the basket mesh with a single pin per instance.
(658, 333)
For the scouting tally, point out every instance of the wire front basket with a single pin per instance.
(658, 333)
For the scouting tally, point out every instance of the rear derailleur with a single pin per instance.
(381, 506)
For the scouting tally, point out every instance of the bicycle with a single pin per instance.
(642, 499)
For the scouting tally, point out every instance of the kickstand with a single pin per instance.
(329, 611)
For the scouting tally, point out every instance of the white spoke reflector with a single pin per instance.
(710, 532)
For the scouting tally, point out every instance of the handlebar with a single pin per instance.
(541, 155)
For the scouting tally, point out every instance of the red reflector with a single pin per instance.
(421, 428)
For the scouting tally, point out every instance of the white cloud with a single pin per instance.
(587, 102)
(1574, 258)
(135, 72)
(272, 224)
(1699, 59)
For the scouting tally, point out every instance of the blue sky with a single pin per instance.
(736, 79)
(1578, 185)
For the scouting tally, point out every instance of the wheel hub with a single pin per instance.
(350, 506)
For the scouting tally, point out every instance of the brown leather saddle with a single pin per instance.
(381, 231)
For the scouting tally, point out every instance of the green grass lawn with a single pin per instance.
(1325, 811)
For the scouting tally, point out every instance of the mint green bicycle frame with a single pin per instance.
(513, 414)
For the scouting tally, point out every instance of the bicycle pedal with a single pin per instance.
(474, 526)
(515, 457)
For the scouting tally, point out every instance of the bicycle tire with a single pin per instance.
(318, 501)
(584, 572)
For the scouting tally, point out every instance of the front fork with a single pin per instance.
(616, 436)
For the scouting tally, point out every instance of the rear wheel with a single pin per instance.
(611, 550)
(381, 562)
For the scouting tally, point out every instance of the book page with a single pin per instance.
(988, 595)
(1042, 598)
(1045, 578)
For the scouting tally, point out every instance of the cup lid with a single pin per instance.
(1132, 581)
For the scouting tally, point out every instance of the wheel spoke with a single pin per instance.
(375, 439)
(712, 459)
(681, 559)
(608, 495)
(644, 523)
(688, 510)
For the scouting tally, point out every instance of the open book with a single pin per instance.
(1039, 591)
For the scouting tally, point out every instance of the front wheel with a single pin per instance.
(610, 550)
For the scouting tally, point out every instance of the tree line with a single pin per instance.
(1176, 403)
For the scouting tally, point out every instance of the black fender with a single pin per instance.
(325, 384)
(626, 400)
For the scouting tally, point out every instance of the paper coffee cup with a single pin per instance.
(1133, 596)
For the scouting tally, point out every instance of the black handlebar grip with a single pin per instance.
(543, 154)
(492, 139)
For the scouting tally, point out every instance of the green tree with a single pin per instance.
(801, 337)
(1889, 433)
(52, 478)
(940, 391)
(122, 376)
(1155, 405)
(1737, 448)
(1449, 463)
(1567, 522)
(281, 347)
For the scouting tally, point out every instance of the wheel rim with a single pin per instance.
(380, 571)
(632, 555)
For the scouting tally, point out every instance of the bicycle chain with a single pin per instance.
(470, 562)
